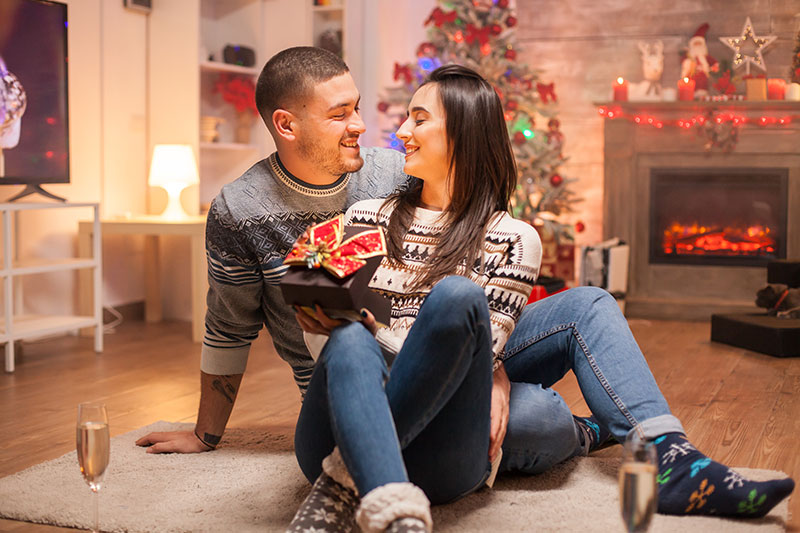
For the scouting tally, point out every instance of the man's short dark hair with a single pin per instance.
(290, 75)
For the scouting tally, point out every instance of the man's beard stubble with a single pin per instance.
(329, 160)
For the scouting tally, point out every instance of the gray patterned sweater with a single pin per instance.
(251, 226)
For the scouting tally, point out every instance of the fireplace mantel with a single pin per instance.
(631, 150)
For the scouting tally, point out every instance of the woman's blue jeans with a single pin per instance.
(582, 330)
(426, 420)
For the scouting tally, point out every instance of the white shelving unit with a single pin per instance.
(238, 23)
(15, 324)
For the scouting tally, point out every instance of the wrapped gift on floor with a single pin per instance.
(331, 266)
(546, 286)
(558, 258)
(606, 265)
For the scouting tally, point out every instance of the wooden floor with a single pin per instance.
(739, 407)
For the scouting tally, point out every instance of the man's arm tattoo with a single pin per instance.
(213, 440)
(224, 387)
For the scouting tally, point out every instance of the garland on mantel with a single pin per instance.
(717, 129)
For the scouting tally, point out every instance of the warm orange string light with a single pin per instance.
(687, 123)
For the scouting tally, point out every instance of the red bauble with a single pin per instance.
(528, 84)
(519, 138)
(511, 105)
(496, 29)
(382, 107)
(511, 21)
(556, 180)
(502, 4)
(511, 55)
(579, 227)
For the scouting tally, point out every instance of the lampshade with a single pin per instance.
(173, 168)
(173, 163)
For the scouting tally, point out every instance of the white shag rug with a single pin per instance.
(252, 483)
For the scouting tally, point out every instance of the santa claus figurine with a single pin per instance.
(698, 65)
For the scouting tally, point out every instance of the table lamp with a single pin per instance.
(173, 168)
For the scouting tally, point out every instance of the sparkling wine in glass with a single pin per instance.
(638, 496)
(92, 443)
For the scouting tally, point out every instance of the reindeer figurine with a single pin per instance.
(652, 68)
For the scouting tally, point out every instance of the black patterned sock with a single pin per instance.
(329, 507)
(593, 435)
(691, 483)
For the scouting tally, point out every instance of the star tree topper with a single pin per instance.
(748, 52)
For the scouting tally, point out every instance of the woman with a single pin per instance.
(459, 272)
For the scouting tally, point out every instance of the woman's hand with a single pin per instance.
(501, 393)
(320, 323)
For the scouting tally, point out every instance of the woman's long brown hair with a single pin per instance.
(482, 169)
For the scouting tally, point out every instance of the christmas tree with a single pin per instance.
(794, 72)
(480, 34)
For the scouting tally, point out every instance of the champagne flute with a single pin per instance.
(92, 443)
(638, 496)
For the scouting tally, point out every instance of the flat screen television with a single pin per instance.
(34, 110)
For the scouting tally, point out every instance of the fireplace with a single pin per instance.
(701, 225)
(717, 216)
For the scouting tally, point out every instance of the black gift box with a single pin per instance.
(338, 297)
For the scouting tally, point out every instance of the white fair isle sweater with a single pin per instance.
(512, 254)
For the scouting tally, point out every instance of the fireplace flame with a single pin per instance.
(697, 239)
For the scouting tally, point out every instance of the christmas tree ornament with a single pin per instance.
(580, 227)
(511, 54)
(748, 47)
(698, 64)
(511, 21)
(383, 107)
(519, 138)
(496, 29)
(502, 4)
(511, 105)
(547, 92)
(556, 180)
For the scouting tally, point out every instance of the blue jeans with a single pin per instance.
(582, 330)
(426, 420)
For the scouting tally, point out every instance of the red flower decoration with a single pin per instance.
(547, 92)
(479, 34)
(404, 71)
(237, 90)
(439, 17)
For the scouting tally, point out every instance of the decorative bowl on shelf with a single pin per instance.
(208, 128)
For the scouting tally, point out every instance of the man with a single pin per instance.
(310, 106)
(309, 103)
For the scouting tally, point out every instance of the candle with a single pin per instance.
(776, 88)
(685, 89)
(793, 92)
(620, 90)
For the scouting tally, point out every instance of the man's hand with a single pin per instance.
(173, 442)
(320, 323)
(501, 392)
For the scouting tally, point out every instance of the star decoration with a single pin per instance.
(756, 45)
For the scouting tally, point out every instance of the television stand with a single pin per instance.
(35, 189)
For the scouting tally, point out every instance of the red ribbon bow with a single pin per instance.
(481, 34)
(546, 91)
(439, 17)
(321, 246)
(404, 71)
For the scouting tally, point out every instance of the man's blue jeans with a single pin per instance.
(582, 330)
(426, 420)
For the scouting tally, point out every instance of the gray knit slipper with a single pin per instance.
(395, 507)
(331, 504)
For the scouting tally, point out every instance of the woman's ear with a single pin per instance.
(285, 124)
